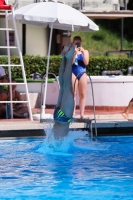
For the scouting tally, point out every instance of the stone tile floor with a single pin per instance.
(104, 118)
(89, 113)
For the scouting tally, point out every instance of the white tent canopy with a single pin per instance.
(62, 16)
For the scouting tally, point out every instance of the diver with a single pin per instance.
(65, 106)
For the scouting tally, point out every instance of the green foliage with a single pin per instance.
(99, 63)
(38, 64)
(32, 64)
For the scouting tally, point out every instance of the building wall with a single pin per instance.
(3, 37)
(108, 91)
(36, 39)
(87, 4)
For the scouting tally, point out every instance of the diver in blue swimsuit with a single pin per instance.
(79, 76)
(65, 106)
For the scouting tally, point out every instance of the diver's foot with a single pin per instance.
(125, 115)
(60, 117)
(66, 48)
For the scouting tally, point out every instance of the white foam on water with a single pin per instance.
(62, 146)
(86, 143)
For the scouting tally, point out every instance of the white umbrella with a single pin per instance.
(55, 15)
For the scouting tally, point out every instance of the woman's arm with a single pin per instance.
(73, 61)
(74, 56)
(85, 55)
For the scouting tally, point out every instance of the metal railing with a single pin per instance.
(9, 65)
(127, 52)
(79, 4)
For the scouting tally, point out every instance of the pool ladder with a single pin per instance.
(7, 9)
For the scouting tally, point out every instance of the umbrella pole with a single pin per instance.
(46, 78)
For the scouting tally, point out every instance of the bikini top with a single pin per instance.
(79, 61)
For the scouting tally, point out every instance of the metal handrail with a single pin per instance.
(44, 79)
(91, 130)
(128, 52)
(94, 109)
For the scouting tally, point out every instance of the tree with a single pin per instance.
(130, 5)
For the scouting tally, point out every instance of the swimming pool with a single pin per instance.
(76, 169)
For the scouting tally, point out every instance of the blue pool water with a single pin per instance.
(76, 168)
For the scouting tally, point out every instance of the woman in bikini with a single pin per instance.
(79, 76)
(65, 106)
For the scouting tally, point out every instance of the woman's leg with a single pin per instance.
(21, 112)
(126, 112)
(75, 87)
(2, 111)
(82, 93)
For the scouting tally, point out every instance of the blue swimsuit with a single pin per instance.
(78, 67)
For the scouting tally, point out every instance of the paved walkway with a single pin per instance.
(100, 114)
(106, 122)
(89, 113)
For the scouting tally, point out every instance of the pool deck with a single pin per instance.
(107, 123)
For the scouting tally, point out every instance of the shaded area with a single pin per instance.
(115, 25)
(22, 133)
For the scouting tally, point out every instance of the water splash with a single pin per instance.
(64, 146)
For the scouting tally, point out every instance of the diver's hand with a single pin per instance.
(66, 48)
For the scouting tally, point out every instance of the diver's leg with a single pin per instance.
(61, 72)
(126, 112)
(60, 130)
(67, 104)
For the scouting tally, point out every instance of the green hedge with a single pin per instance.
(21, 80)
(38, 64)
